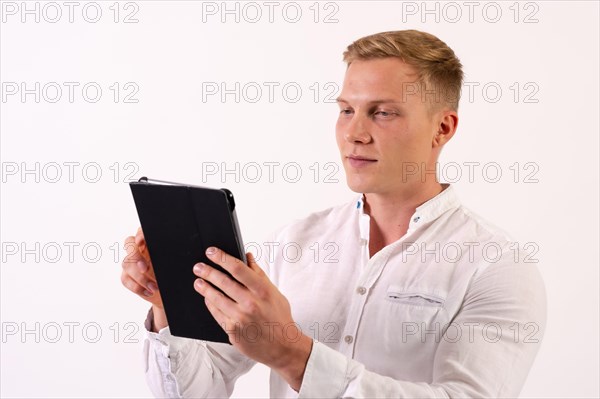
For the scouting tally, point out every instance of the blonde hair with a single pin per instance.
(439, 70)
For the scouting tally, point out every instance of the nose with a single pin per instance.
(356, 130)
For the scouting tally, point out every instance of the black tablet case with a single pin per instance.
(179, 223)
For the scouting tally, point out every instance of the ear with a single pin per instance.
(446, 127)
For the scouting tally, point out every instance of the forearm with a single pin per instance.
(330, 374)
(159, 319)
(293, 366)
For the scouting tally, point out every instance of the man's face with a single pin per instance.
(382, 132)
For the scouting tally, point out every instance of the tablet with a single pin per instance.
(180, 222)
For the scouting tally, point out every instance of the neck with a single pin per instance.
(390, 213)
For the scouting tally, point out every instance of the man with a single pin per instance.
(413, 305)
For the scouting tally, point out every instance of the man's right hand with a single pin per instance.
(138, 276)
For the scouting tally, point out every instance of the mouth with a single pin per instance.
(359, 161)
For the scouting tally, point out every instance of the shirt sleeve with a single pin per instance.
(501, 324)
(178, 367)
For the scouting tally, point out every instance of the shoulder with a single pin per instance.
(508, 273)
(480, 228)
(493, 244)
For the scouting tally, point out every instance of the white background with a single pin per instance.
(171, 133)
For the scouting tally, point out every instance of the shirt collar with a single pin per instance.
(427, 212)
(435, 207)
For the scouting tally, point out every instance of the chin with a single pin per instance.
(359, 185)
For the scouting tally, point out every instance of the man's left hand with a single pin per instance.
(256, 316)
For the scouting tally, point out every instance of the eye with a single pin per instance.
(385, 114)
(345, 111)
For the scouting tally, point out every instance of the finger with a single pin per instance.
(133, 286)
(140, 240)
(225, 322)
(232, 288)
(253, 264)
(143, 248)
(238, 269)
(226, 305)
(143, 279)
(142, 266)
(135, 254)
(129, 245)
(146, 264)
(136, 268)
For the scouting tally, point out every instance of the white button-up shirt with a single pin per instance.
(454, 308)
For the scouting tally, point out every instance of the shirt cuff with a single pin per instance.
(325, 373)
(172, 345)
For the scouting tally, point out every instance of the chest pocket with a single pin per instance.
(414, 296)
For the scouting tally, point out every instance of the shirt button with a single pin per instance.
(361, 290)
(416, 219)
(348, 339)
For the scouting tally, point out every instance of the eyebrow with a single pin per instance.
(374, 102)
